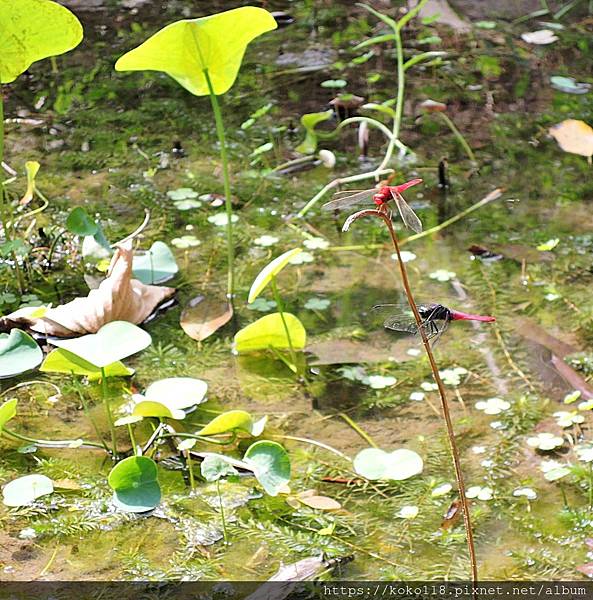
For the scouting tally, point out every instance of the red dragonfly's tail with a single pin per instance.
(461, 316)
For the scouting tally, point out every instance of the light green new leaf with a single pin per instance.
(113, 342)
(31, 30)
(268, 332)
(232, 419)
(151, 408)
(186, 48)
(214, 467)
(270, 270)
(63, 361)
(19, 353)
(309, 122)
(374, 463)
(7, 412)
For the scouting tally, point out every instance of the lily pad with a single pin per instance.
(61, 360)
(19, 353)
(569, 85)
(114, 341)
(215, 467)
(182, 194)
(33, 30)
(178, 393)
(135, 483)
(231, 420)
(268, 332)
(374, 463)
(7, 412)
(25, 490)
(157, 265)
(186, 48)
(271, 465)
(270, 270)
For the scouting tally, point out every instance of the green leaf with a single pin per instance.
(150, 408)
(373, 463)
(19, 353)
(231, 420)
(378, 39)
(135, 483)
(156, 265)
(387, 20)
(214, 467)
(177, 393)
(268, 332)
(79, 222)
(114, 341)
(270, 270)
(61, 360)
(31, 168)
(271, 465)
(25, 490)
(309, 122)
(186, 48)
(32, 30)
(7, 412)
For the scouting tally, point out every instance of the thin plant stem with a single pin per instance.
(313, 443)
(278, 300)
(51, 443)
(105, 399)
(459, 136)
(590, 485)
(192, 482)
(227, 187)
(132, 439)
(383, 214)
(363, 434)
(87, 412)
(224, 531)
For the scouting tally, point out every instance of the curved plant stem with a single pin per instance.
(227, 188)
(383, 214)
(313, 443)
(459, 136)
(51, 443)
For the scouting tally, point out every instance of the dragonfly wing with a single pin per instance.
(400, 323)
(409, 217)
(349, 201)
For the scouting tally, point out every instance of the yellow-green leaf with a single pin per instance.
(268, 332)
(32, 30)
(61, 360)
(270, 270)
(232, 419)
(148, 408)
(186, 48)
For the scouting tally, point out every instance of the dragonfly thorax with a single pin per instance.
(434, 312)
(382, 196)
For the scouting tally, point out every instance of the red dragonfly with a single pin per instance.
(435, 318)
(381, 197)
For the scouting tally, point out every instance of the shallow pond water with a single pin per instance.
(106, 142)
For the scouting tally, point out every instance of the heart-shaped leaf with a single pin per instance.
(19, 353)
(32, 30)
(7, 412)
(114, 341)
(61, 360)
(231, 420)
(203, 316)
(79, 223)
(270, 270)
(177, 393)
(25, 490)
(135, 483)
(271, 465)
(309, 122)
(373, 463)
(268, 332)
(156, 265)
(214, 467)
(186, 48)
